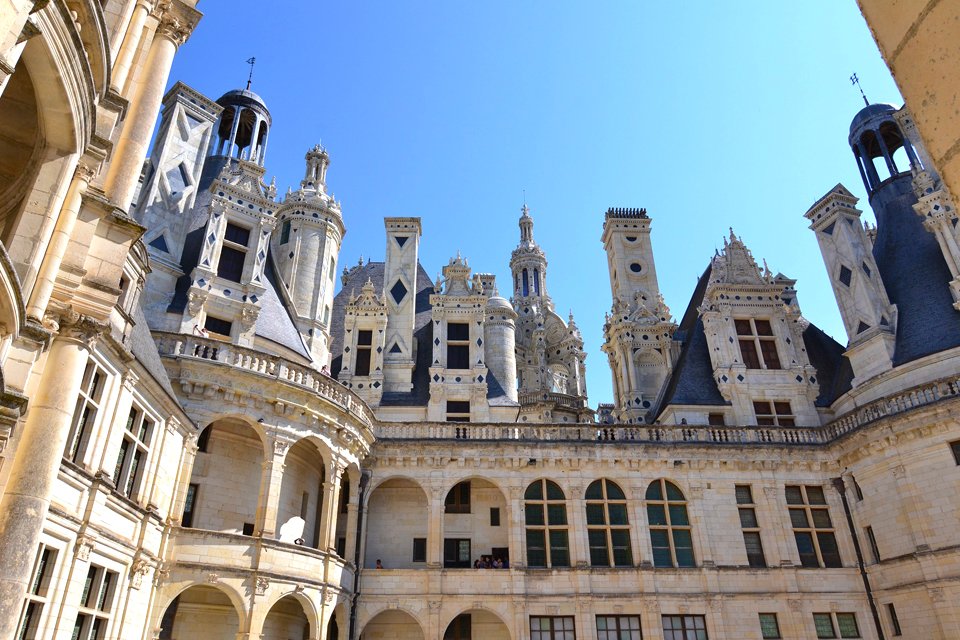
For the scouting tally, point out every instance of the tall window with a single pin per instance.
(552, 628)
(894, 621)
(189, 505)
(233, 253)
(872, 539)
(128, 472)
(526, 282)
(773, 414)
(458, 345)
(536, 281)
(458, 411)
(607, 527)
(364, 348)
(769, 627)
(684, 628)
(618, 628)
(829, 624)
(750, 526)
(85, 413)
(458, 498)
(545, 512)
(812, 527)
(95, 604)
(670, 532)
(758, 346)
(37, 593)
(285, 232)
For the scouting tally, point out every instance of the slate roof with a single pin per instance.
(914, 273)
(834, 373)
(691, 381)
(144, 349)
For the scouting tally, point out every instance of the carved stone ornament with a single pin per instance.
(137, 571)
(248, 317)
(84, 546)
(300, 588)
(263, 583)
(213, 578)
(70, 325)
(280, 447)
(85, 172)
(195, 300)
(174, 29)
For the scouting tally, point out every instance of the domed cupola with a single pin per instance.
(243, 128)
(876, 139)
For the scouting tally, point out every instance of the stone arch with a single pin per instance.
(291, 615)
(393, 624)
(207, 610)
(338, 624)
(302, 488)
(229, 464)
(488, 532)
(398, 510)
(485, 623)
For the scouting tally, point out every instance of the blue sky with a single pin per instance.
(709, 114)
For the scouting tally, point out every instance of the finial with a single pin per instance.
(251, 61)
(525, 210)
(360, 261)
(855, 80)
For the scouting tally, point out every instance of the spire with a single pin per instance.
(526, 225)
(250, 61)
(318, 160)
(855, 80)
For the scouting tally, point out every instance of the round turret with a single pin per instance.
(499, 334)
(243, 128)
(876, 139)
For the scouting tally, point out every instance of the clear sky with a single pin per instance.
(709, 114)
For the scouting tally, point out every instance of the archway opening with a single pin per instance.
(200, 612)
(225, 483)
(476, 624)
(397, 525)
(287, 620)
(301, 492)
(393, 624)
(475, 526)
(20, 144)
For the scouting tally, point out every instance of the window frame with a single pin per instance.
(894, 620)
(665, 502)
(622, 627)
(836, 630)
(86, 412)
(607, 529)
(93, 618)
(138, 439)
(236, 250)
(777, 413)
(458, 497)
(776, 623)
(458, 349)
(754, 560)
(683, 630)
(815, 532)
(363, 353)
(552, 632)
(38, 592)
(762, 346)
(547, 529)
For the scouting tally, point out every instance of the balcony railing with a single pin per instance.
(559, 399)
(913, 398)
(175, 345)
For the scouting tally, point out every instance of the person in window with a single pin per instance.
(379, 564)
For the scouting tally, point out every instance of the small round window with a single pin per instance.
(631, 238)
(635, 267)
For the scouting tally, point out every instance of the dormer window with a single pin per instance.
(218, 328)
(458, 345)
(758, 346)
(233, 253)
(364, 347)
(773, 414)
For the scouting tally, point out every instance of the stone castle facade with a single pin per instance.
(209, 429)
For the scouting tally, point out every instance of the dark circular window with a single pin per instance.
(631, 238)
(635, 267)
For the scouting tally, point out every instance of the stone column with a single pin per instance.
(37, 460)
(270, 483)
(331, 508)
(435, 511)
(517, 531)
(131, 43)
(53, 257)
(350, 549)
(174, 29)
(234, 127)
(577, 529)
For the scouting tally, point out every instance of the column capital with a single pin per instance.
(177, 20)
(73, 326)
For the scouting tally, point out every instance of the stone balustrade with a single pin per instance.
(558, 399)
(176, 345)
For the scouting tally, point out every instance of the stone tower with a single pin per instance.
(305, 248)
(638, 333)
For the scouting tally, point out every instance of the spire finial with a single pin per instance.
(855, 80)
(250, 61)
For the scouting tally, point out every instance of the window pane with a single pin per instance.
(654, 492)
(594, 491)
(815, 495)
(798, 518)
(808, 556)
(769, 350)
(559, 549)
(763, 327)
(556, 514)
(769, 629)
(823, 625)
(534, 513)
(458, 331)
(678, 515)
(661, 557)
(536, 548)
(656, 514)
(614, 492)
(744, 494)
(534, 491)
(743, 327)
(749, 352)
(748, 518)
(821, 518)
(794, 496)
(595, 514)
(829, 550)
(847, 623)
(618, 513)
(673, 493)
(554, 492)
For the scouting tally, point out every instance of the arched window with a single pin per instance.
(536, 281)
(607, 527)
(546, 519)
(526, 282)
(670, 534)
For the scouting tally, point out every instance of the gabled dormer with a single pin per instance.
(364, 324)
(755, 341)
(458, 375)
(228, 281)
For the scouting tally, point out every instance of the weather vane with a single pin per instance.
(855, 80)
(251, 62)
